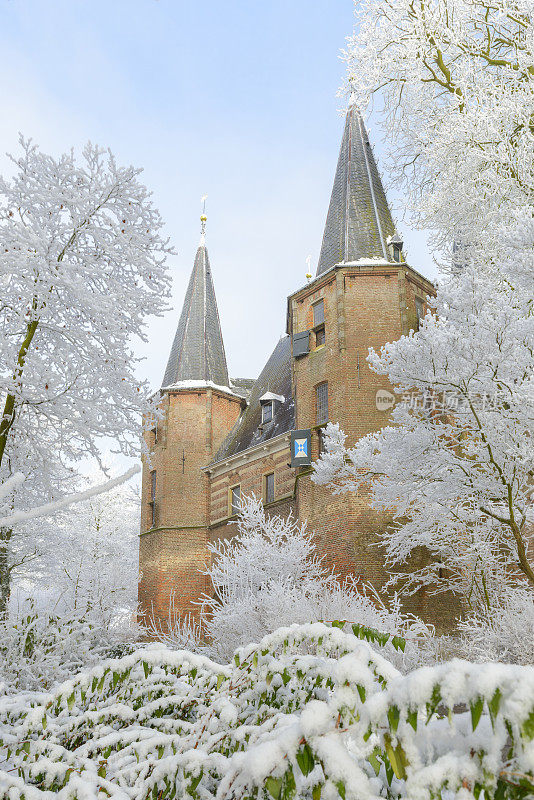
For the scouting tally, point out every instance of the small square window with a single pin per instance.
(267, 411)
(320, 336)
(235, 500)
(321, 404)
(269, 487)
(318, 313)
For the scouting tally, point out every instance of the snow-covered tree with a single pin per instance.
(457, 84)
(269, 575)
(455, 80)
(81, 266)
(89, 558)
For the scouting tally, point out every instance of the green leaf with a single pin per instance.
(393, 718)
(236, 659)
(361, 692)
(476, 711)
(494, 705)
(146, 668)
(274, 787)
(194, 782)
(527, 728)
(398, 643)
(340, 786)
(305, 760)
(338, 624)
(116, 677)
(412, 718)
(290, 785)
(500, 790)
(220, 679)
(255, 659)
(70, 701)
(316, 791)
(101, 771)
(374, 761)
(434, 702)
(396, 757)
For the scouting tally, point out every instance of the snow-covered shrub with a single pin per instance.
(39, 649)
(179, 632)
(503, 633)
(309, 713)
(269, 575)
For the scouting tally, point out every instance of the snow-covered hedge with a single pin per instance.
(312, 711)
(39, 649)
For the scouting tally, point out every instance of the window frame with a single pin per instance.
(152, 501)
(232, 511)
(266, 477)
(319, 403)
(318, 304)
(419, 302)
(267, 404)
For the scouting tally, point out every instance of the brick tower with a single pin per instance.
(199, 409)
(363, 296)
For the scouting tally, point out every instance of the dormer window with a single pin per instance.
(267, 411)
(268, 403)
(395, 245)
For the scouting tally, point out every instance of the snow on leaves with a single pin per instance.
(312, 711)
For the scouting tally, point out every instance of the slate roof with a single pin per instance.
(359, 221)
(242, 386)
(275, 378)
(197, 352)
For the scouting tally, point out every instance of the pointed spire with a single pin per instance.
(197, 352)
(359, 221)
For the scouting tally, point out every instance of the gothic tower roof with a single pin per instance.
(197, 352)
(359, 221)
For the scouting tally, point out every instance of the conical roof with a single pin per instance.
(197, 352)
(359, 221)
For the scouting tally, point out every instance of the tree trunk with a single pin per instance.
(5, 571)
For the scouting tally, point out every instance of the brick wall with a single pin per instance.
(174, 548)
(364, 307)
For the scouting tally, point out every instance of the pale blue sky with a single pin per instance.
(232, 99)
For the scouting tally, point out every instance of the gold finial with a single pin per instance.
(203, 217)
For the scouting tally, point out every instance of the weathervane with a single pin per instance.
(203, 216)
(308, 272)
